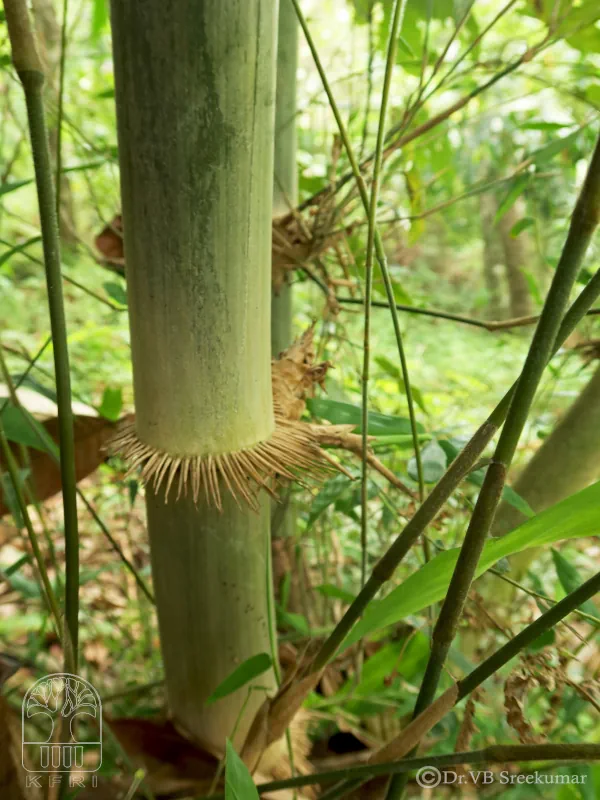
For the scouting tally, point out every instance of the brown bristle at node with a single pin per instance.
(290, 453)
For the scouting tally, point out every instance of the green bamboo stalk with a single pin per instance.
(584, 222)
(195, 89)
(396, 26)
(28, 67)
(285, 172)
(377, 240)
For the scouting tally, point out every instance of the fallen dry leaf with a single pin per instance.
(92, 434)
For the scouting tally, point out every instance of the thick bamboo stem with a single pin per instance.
(195, 102)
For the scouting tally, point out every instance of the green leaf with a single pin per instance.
(508, 494)
(329, 590)
(521, 225)
(544, 154)
(238, 781)
(111, 405)
(433, 461)
(246, 672)
(296, 621)
(331, 491)
(517, 188)
(570, 579)
(116, 292)
(348, 414)
(544, 640)
(18, 248)
(577, 516)
(22, 428)
(5, 188)
(10, 496)
(516, 501)
(99, 18)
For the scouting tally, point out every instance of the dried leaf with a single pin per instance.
(172, 762)
(109, 242)
(12, 781)
(92, 434)
(294, 376)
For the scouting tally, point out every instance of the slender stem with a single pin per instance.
(494, 754)
(13, 472)
(584, 221)
(487, 325)
(377, 240)
(27, 64)
(398, 14)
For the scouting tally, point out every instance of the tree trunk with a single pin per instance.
(285, 181)
(195, 95)
(518, 255)
(493, 256)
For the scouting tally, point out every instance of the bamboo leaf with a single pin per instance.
(521, 225)
(116, 292)
(11, 186)
(348, 414)
(112, 403)
(510, 198)
(246, 672)
(18, 248)
(238, 781)
(22, 428)
(577, 516)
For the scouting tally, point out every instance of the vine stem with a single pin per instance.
(584, 222)
(377, 240)
(28, 66)
(398, 14)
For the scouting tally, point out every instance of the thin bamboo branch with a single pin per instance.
(488, 325)
(396, 26)
(29, 70)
